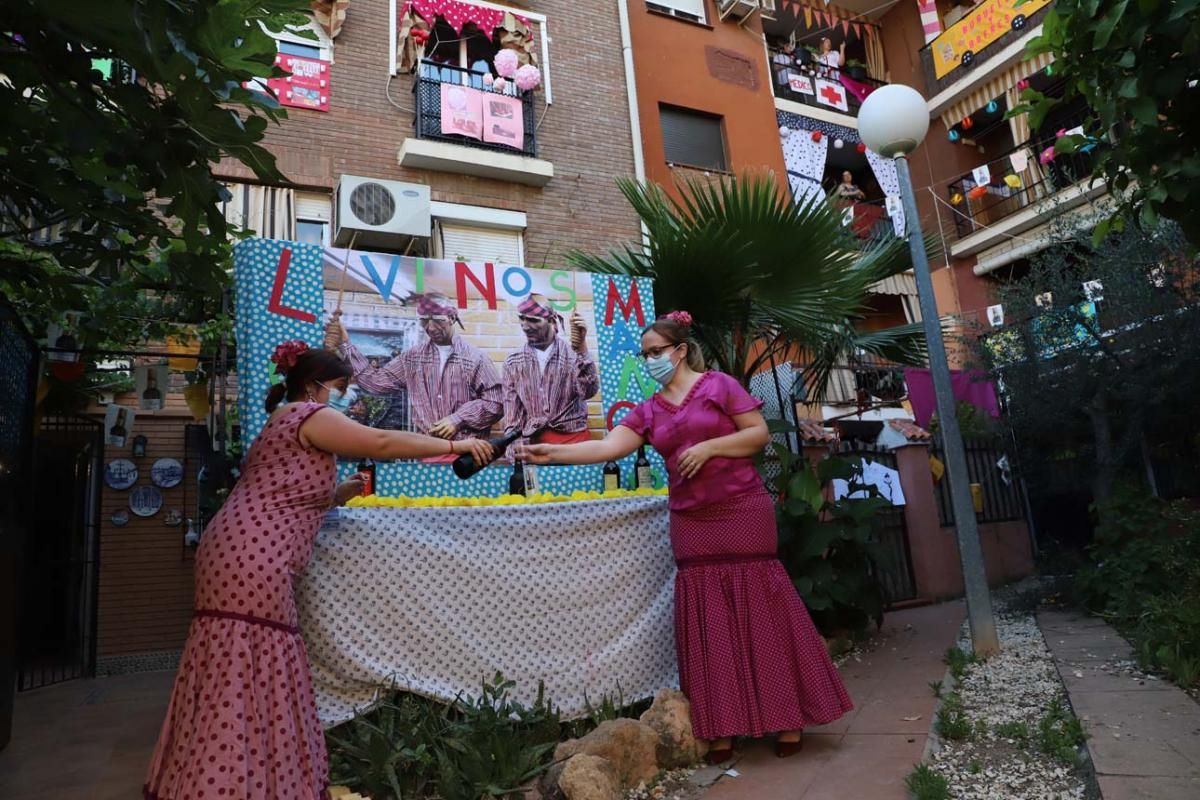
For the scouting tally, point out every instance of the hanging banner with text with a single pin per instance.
(451, 348)
(961, 43)
(307, 83)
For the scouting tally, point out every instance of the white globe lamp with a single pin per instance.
(893, 120)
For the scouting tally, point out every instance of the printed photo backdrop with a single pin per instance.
(289, 290)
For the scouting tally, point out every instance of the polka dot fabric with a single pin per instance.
(242, 723)
(750, 660)
(578, 594)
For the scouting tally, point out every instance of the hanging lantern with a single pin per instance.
(784, 131)
(956, 199)
(1022, 85)
(953, 135)
(1012, 181)
(838, 144)
(977, 192)
(992, 107)
(968, 123)
(861, 148)
(816, 136)
(1049, 69)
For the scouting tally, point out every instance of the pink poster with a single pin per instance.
(307, 83)
(503, 120)
(462, 111)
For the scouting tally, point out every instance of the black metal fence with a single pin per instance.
(989, 465)
(804, 71)
(427, 91)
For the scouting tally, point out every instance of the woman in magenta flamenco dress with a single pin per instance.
(242, 723)
(750, 660)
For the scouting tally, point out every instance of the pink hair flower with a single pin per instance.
(286, 353)
(681, 318)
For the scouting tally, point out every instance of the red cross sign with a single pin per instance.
(830, 94)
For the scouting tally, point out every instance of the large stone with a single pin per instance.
(589, 778)
(671, 718)
(630, 746)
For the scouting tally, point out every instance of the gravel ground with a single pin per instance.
(1004, 700)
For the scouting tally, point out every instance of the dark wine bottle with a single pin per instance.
(645, 478)
(516, 481)
(465, 466)
(152, 399)
(612, 476)
(117, 431)
(366, 468)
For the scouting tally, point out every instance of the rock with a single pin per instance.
(670, 717)
(630, 746)
(586, 777)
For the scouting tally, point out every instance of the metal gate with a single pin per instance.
(59, 566)
(19, 363)
(895, 559)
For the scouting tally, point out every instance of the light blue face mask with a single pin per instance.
(338, 400)
(661, 367)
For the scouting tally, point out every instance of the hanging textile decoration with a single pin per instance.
(956, 199)
(889, 182)
(330, 15)
(1012, 181)
(805, 162)
(930, 22)
(968, 123)
(978, 192)
(982, 175)
(953, 135)
(992, 107)
(421, 15)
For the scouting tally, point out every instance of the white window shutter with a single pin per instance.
(313, 206)
(471, 243)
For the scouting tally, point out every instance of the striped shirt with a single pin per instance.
(555, 397)
(466, 390)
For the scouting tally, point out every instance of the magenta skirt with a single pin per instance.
(750, 660)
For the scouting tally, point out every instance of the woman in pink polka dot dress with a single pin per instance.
(242, 723)
(750, 660)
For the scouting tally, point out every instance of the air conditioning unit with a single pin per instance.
(736, 9)
(379, 213)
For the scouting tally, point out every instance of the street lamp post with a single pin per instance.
(893, 122)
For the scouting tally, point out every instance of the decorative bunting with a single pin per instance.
(1012, 181)
(1020, 160)
(982, 175)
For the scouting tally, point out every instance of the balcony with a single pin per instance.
(800, 79)
(1014, 200)
(462, 145)
(967, 49)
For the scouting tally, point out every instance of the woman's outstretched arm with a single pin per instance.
(620, 442)
(338, 434)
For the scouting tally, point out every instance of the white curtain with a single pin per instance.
(269, 211)
(805, 161)
(889, 181)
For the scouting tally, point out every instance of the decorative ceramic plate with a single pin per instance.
(166, 473)
(120, 518)
(145, 501)
(120, 474)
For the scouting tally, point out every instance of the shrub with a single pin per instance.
(923, 783)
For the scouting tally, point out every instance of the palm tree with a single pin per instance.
(762, 276)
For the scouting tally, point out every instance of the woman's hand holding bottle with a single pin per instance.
(480, 450)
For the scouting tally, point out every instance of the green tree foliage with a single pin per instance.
(1136, 65)
(1100, 381)
(761, 275)
(115, 114)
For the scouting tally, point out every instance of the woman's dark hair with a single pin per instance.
(675, 333)
(312, 366)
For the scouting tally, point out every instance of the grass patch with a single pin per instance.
(958, 660)
(936, 688)
(1018, 731)
(1060, 734)
(924, 783)
(952, 721)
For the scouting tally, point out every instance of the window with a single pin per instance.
(684, 9)
(297, 42)
(312, 218)
(294, 49)
(475, 243)
(692, 138)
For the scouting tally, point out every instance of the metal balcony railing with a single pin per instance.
(427, 91)
(803, 67)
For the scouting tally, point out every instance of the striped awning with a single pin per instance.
(903, 284)
(994, 88)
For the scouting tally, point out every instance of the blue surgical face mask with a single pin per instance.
(338, 400)
(661, 367)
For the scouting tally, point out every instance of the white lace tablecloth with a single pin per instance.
(578, 595)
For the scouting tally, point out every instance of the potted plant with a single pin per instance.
(855, 69)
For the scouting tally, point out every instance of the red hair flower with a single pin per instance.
(681, 318)
(285, 355)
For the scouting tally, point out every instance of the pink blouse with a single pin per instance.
(706, 413)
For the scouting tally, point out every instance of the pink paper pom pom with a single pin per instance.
(488, 79)
(506, 62)
(499, 84)
(528, 77)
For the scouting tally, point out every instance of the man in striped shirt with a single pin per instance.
(453, 387)
(547, 383)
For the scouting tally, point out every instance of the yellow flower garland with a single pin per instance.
(378, 501)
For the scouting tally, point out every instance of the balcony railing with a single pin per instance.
(1036, 182)
(796, 80)
(993, 13)
(427, 91)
